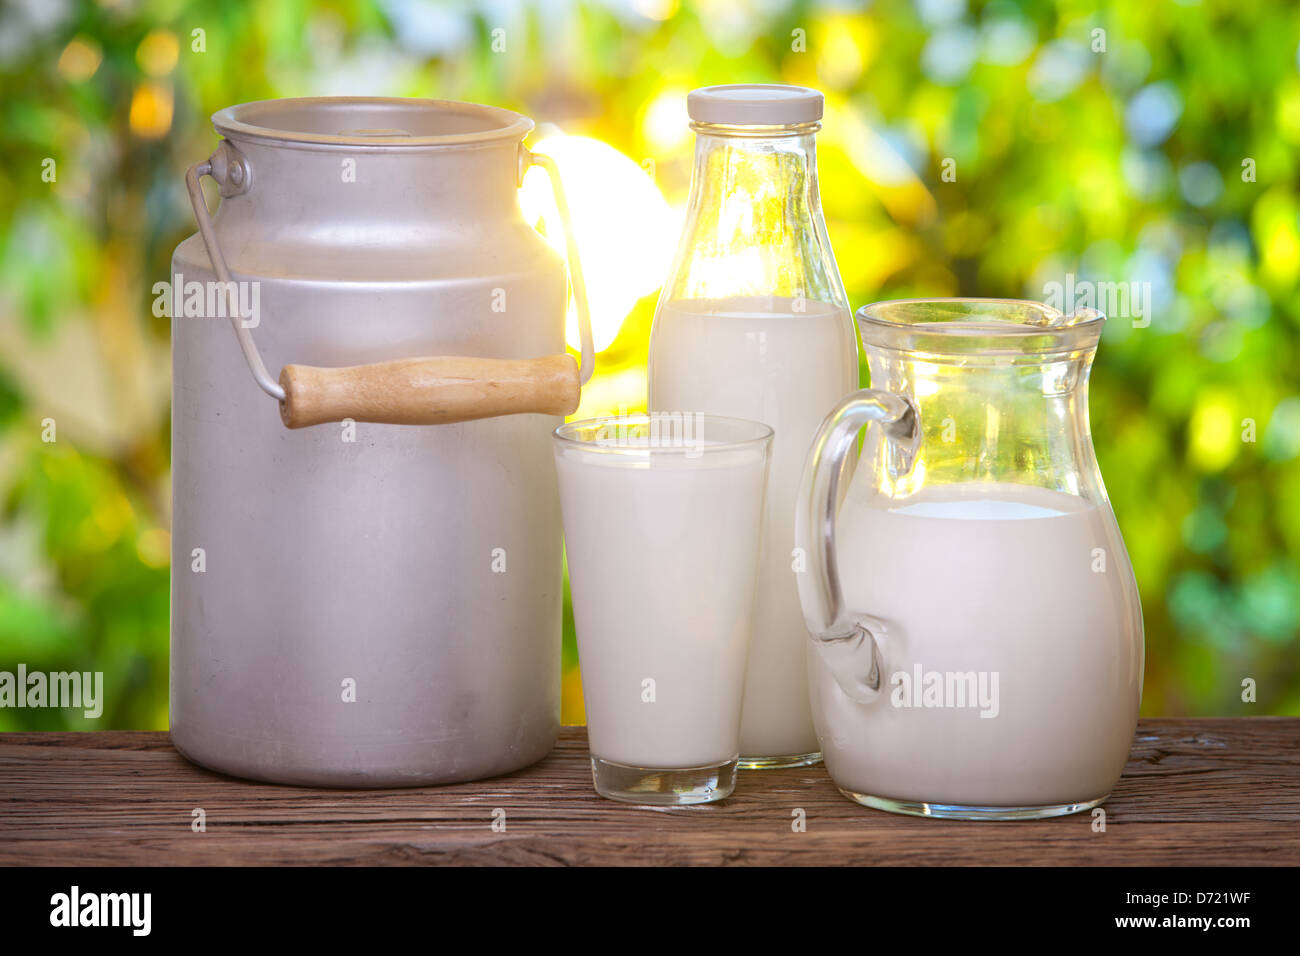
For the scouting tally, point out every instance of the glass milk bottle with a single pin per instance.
(753, 323)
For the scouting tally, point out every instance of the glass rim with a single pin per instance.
(1084, 319)
(760, 434)
(1000, 324)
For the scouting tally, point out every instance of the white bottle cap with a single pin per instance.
(755, 104)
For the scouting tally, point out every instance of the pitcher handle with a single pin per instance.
(433, 390)
(847, 644)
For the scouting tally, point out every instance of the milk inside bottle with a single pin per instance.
(753, 323)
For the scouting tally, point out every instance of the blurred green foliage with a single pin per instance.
(969, 148)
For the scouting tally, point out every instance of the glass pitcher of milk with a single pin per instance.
(753, 323)
(977, 644)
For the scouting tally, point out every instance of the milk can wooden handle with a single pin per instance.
(429, 391)
(420, 391)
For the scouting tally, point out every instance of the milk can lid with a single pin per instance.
(755, 104)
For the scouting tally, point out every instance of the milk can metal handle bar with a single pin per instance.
(432, 390)
(845, 642)
(576, 277)
(232, 176)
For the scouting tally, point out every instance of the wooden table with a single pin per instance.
(1203, 792)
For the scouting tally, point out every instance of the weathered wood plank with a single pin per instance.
(1195, 792)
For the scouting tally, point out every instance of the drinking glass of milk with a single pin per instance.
(976, 644)
(753, 322)
(662, 522)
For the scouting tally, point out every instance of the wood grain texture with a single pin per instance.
(1195, 792)
(429, 391)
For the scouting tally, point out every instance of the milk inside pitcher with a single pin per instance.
(753, 323)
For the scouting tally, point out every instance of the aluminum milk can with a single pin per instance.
(366, 581)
